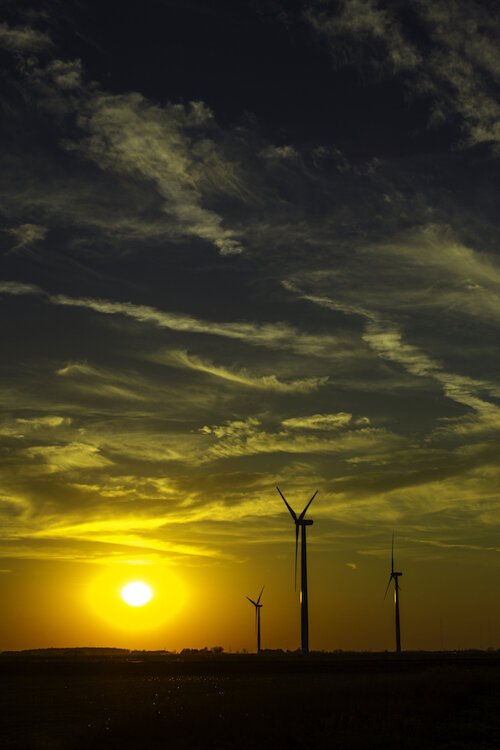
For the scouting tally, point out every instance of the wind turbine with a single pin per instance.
(302, 522)
(258, 607)
(395, 577)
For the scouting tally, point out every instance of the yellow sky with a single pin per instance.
(50, 604)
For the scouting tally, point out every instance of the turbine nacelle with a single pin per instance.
(256, 604)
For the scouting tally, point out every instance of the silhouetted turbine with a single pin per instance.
(258, 607)
(395, 577)
(302, 522)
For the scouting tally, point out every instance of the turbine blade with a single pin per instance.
(294, 516)
(292, 512)
(258, 600)
(296, 551)
(387, 589)
(252, 601)
(308, 504)
(392, 554)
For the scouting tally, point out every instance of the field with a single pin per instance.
(415, 702)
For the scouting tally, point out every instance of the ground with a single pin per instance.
(342, 704)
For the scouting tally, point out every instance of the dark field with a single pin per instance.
(415, 703)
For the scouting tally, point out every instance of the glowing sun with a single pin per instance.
(136, 593)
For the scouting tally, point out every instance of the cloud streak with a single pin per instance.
(179, 358)
(26, 235)
(167, 146)
(23, 39)
(248, 437)
(456, 61)
(468, 284)
(269, 335)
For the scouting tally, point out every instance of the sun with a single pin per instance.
(136, 597)
(136, 593)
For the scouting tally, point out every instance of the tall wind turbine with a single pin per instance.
(395, 577)
(302, 522)
(258, 607)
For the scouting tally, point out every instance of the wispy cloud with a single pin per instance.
(456, 60)
(65, 74)
(325, 421)
(388, 342)
(361, 22)
(176, 151)
(463, 70)
(23, 39)
(468, 283)
(454, 545)
(132, 533)
(42, 422)
(19, 288)
(272, 335)
(109, 384)
(248, 437)
(271, 383)
(26, 235)
(168, 146)
(269, 335)
(68, 457)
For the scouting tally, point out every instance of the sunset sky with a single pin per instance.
(248, 244)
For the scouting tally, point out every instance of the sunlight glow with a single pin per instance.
(131, 603)
(136, 594)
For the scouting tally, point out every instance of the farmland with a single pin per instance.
(239, 701)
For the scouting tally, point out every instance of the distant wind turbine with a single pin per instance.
(258, 607)
(395, 577)
(302, 522)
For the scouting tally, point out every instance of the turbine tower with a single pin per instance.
(258, 607)
(303, 523)
(395, 577)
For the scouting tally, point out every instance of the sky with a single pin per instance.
(245, 245)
